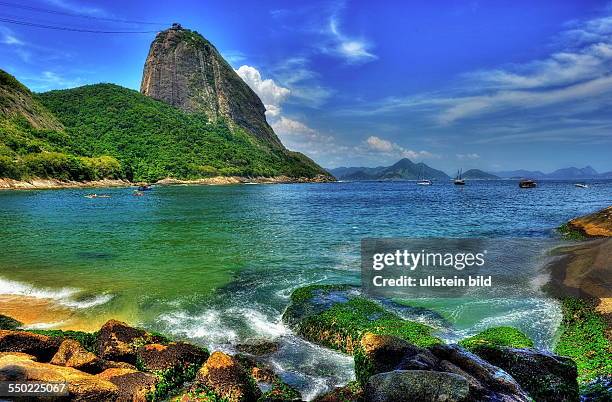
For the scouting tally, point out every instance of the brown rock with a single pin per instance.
(258, 348)
(175, 354)
(72, 354)
(597, 224)
(41, 346)
(133, 385)
(81, 386)
(224, 375)
(116, 341)
(18, 354)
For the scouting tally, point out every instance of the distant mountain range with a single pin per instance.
(559, 174)
(405, 169)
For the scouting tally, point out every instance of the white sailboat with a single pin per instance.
(423, 181)
(458, 180)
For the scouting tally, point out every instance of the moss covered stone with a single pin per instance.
(7, 322)
(583, 338)
(498, 336)
(337, 316)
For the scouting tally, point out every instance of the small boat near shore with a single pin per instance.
(527, 184)
(97, 196)
(581, 185)
(145, 187)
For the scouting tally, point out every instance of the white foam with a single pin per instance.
(64, 296)
(208, 326)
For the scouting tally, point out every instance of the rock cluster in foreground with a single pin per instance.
(122, 363)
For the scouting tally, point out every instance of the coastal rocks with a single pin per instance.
(72, 354)
(224, 375)
(351, 392)
(337, 316)
(175, 355)
(597, 224)
(498, 336)
(7, 322)
(487, 382)
(119, 342)
(132, 385)
(81, 386)
(382, 353)
(258, 348)
(416, 385)
(271, 385)
(546, 377)
(41, 346)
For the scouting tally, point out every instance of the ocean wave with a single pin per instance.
(68, 297)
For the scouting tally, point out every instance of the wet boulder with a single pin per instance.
(175, 355)
(273, 388)
(41, 346)
(10, 323)
(416, 385)
(337, 316)
(132, 385)
(72, 354)
(351, 392)
(486, 381)
(223, 375)
(383, 353)
(81, 386)
(116, 341)
(545, 376)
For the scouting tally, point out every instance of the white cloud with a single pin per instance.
(271, 94)
(50, 80)
(575, 78)
(380, 145)
(353, 50)
(76, 8)
(12, 40)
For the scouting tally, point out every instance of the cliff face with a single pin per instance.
(186, 71)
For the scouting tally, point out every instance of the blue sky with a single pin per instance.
(496, 85)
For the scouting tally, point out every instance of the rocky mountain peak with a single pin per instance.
(186, 70)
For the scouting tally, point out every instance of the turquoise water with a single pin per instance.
(216, 264)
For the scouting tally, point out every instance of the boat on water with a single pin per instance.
(581, 185)
(422, 181)
(144, 187)
(137, 193)
(97, 196)
(527, 184)
(459, 181)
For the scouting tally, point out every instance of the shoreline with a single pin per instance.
(51, 184)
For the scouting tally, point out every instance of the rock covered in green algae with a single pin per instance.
(7, 322)
(224, 376)
(498, 336)
(337, 316)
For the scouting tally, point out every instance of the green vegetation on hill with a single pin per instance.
(106, 131)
